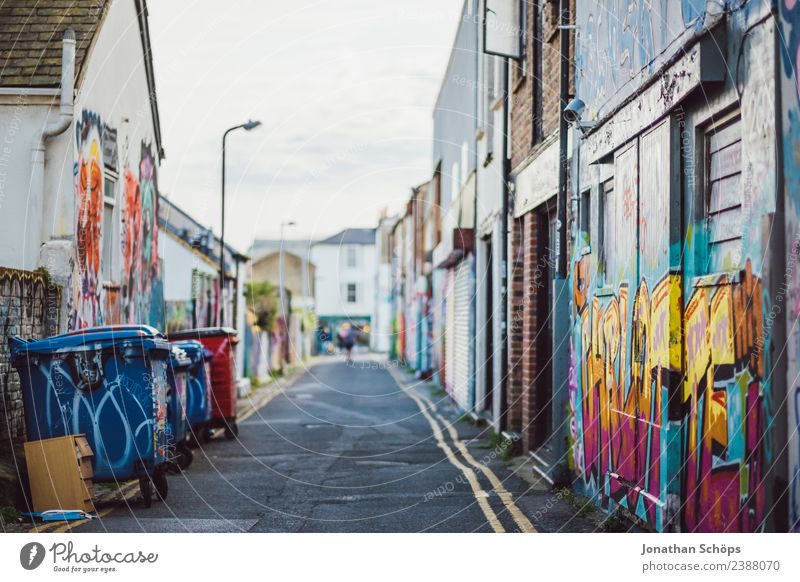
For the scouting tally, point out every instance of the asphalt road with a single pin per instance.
(346, 448)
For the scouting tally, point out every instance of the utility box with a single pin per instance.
(60, 473)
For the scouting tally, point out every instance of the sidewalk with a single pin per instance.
(549, 509)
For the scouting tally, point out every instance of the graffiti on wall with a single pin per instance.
(136, 409)
(629, 359)
(87, 292)
(141, 270)
(724, 398)
(622, 38)
(624, 401)
(96, 297)
(790, 92)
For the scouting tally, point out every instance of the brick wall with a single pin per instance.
(526, 277)
(524, 138)
(516, 285)
(533, 266)
(29, 307)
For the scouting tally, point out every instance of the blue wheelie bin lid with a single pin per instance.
(90, 338)
(194, 350)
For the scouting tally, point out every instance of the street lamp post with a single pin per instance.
(250, 124)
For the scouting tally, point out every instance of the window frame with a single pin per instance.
(606, 189)
(348, 288)
(108, 267)
(712, 128)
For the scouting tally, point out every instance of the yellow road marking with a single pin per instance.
(505, 496)
(497, 486)
(480, 495)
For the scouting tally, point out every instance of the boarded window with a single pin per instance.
(606, 218)
(585, 214)
(724, 209)
(109, 233)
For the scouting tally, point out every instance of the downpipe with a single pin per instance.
(36, 205)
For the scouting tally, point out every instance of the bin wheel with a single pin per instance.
(198, 436)
(146, 488)
(208, 435)
(160, 484)
(231, 430)
(185, 456)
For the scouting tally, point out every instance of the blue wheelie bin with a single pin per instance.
(177, 427)
(109, 383)
(197, 395)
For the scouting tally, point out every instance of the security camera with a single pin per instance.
(573, 112)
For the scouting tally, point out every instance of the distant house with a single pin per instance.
(190, 252)
(287, 266)
(293, 258)
(383, 331)
(346, 269)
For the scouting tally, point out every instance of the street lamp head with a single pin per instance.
(251, 124)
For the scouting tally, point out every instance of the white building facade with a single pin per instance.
(345, 278)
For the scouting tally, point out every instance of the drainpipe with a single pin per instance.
(501, 420)
(35, 217)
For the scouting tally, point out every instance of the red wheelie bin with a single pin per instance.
(221, 341)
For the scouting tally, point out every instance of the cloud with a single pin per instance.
(345, 90)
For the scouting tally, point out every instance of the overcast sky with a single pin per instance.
(345, 90)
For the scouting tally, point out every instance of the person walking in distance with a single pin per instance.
(346, 341)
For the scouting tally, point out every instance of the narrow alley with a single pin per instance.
(359, 447)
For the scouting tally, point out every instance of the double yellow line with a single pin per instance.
(431, 414)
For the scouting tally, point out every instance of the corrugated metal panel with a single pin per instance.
(462, 334)
(449, 344)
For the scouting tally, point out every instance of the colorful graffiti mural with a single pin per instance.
(141, 270)
(789, 40)
(627, 407)
(87, 292)
(673, 399)
(97, 296)
(629, 370)
(725, 437)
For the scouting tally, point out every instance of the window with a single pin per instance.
(109, 224)
(352, 297)
(351, 257)
(520, 66)
(585, 214)
(537, 87)
(724, 209)
(606, 218)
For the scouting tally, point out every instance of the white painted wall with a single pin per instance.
(179, 261)
(333, 274)
(381, 336)
(22, 117)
